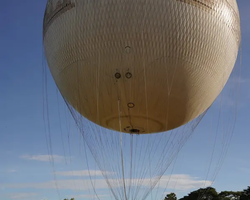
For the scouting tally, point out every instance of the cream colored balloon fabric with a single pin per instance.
(141, 66)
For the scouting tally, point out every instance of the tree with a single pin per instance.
(229, 195)
(245, 194)
(171, 196)
(208, 193)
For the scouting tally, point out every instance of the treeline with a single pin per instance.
(210, 193)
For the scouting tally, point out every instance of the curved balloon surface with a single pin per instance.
(141, 66)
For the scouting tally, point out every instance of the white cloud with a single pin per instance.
(22, 195)
(82, 173)
(63, 184)
(43, 158)
(89, 196)
(180, 182)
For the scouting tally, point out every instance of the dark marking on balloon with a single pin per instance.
(127, 49)
(131, 105)
(235, 25)
(117, 75)
(233, 21)
(204, 4)
(128, 75)
(51, 13)
(134, 130)
(208, 5)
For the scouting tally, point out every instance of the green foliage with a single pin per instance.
(245, 194)
(229, 195)
(171, 196)
(208, 193)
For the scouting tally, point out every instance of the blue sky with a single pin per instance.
(26, 171)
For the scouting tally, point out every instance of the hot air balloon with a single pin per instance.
(139, 67)
(153, 65)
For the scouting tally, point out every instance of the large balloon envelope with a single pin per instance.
(141, 66)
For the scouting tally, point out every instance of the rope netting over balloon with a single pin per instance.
(137, 78)
(132, 164)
